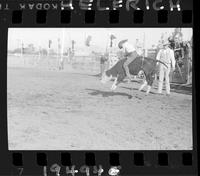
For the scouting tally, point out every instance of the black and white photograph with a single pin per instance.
(99, 88)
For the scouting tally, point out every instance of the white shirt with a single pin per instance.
(128, 48)
(139, 48)
(166, 56)
(139, 51)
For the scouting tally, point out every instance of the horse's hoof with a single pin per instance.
(113, 87)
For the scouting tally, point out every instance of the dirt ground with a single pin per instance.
(56, 110)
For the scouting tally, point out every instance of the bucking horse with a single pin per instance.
(145, 64)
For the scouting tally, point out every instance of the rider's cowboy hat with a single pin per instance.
(120, 44)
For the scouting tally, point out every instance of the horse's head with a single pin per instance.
(106, 77)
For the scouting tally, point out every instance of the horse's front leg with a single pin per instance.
(117, 80)
(148, 89)
(114, 85)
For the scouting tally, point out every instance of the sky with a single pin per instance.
(100, 36)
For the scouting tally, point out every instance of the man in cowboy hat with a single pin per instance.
(165, 55)
(131, 53)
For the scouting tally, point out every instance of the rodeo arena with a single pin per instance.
(68, 89)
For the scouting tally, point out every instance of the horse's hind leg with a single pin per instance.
(148, 89)
(149, 84)
(143, 85)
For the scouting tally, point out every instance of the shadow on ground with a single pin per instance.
(180, 88)
(176, 88)
(95, 92)
(132, 88)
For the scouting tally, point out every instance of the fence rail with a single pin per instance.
(77, 63)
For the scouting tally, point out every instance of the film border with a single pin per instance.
(175, 158)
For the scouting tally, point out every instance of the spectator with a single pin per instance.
(165, 55)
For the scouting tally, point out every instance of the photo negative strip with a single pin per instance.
(95, 87)
(99, 89)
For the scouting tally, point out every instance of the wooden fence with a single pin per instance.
(76, 64)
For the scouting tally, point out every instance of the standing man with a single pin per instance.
(165, 55)
(130, 53)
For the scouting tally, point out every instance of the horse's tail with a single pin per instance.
(162, 63)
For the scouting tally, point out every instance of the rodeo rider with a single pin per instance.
(131, 53)
(165, 55)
